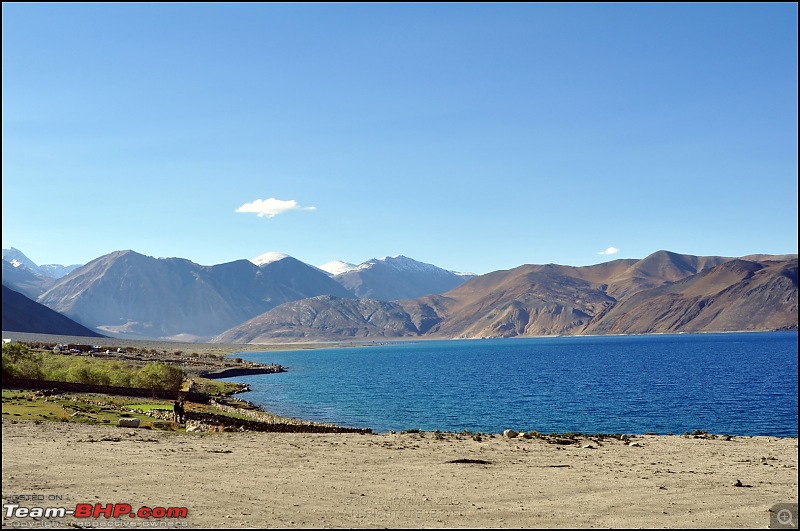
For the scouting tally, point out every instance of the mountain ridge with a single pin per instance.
(17, 258)
(132, 295)
(21, 314)
(550, 299)
(128, 294)
(397, 278)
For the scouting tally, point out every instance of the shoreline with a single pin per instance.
(228, 365)
(202, 348)
(695, 434)
(301, 480)
(410, 479)
(233, 348)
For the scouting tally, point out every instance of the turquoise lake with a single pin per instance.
(738, 384)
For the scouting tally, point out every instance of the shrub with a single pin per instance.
(121, 374)
(86, 372)
(157, 375)
(19, 362)
(29, 367)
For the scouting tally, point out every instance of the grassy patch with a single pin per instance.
(70, 407)
(91, 408)
(216, 387)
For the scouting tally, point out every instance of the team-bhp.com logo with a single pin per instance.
(88, 510)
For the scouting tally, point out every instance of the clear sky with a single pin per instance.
(475, 137)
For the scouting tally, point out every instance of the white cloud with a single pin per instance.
(610, 250)
(271, 207)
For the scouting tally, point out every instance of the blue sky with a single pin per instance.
(475, 137)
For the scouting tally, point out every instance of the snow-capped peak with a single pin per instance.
(268, 258)
(17, 258)
(401, 263)
(408, 265)
(337, 267)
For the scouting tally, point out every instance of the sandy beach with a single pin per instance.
(408, 480)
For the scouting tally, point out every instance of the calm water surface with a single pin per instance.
(740, 384)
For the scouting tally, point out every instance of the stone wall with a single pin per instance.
(24, 383)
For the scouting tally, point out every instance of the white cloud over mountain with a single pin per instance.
(609, 251)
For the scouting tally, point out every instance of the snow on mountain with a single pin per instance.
(127, 294)
(337, 267)
(405, 264)
(396, 278)
(57, 270)
(398, 263)
(17, 258)
(268, 258)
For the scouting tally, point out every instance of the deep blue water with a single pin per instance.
(738, 384)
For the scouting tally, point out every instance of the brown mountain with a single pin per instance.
(551, 299)
(323, 318)
(525, 301)
(737, 295)
(661, 267)
(664, 292)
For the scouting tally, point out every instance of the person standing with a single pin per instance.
(178, 410)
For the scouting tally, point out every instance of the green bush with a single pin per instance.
(158, 376)
(88, 372)
(121, 374)
(20, 362)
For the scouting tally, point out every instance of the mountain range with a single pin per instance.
(17, 258)
(396, 278)
(278, 298)
(127, 294)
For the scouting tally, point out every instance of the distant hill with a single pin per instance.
(18, 259)
(396, 278)
(657, 269)
(337, 267)
(526, 301)
(324, 318)
(21, 314)
(737, 295)
(127, 294)
(276, 297)
(25, 281)
(131, 295)
(664, 292)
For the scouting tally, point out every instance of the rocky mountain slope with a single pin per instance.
(21, 314)
(25, 281)
(664, 292)
(278, 298)
(17, 259)
(131, 295)
(396, 278)
(737, 295)
(324, 317)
